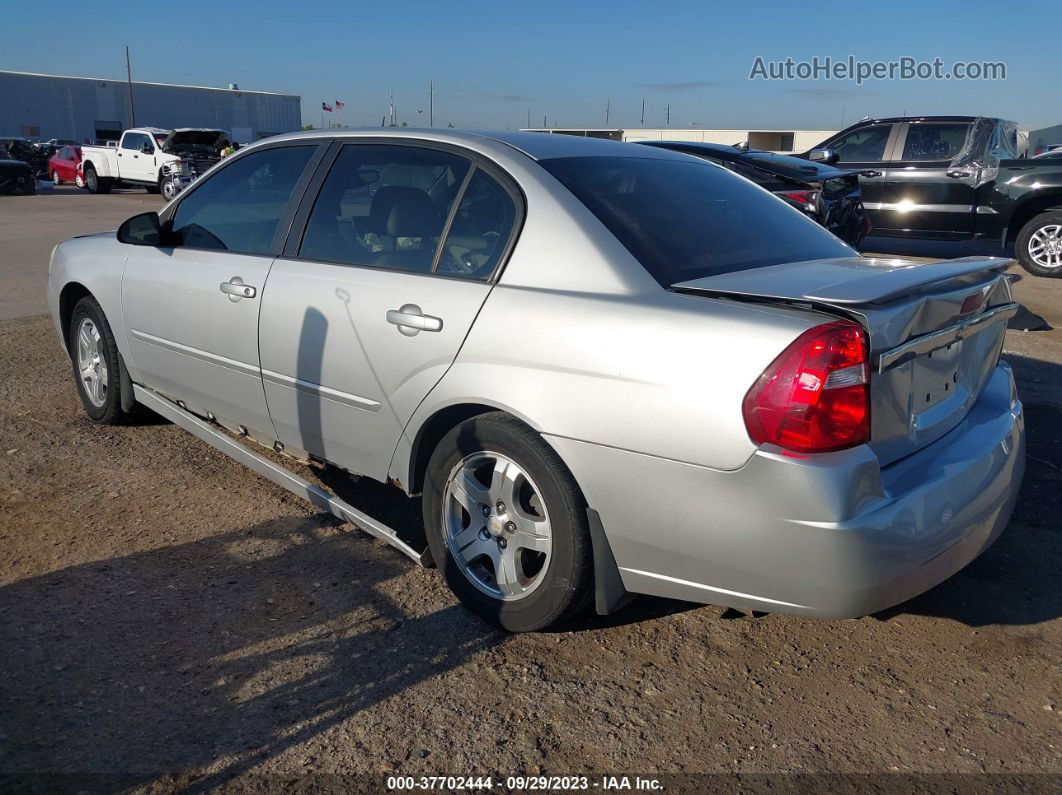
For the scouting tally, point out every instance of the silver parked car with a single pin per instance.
(608, 369)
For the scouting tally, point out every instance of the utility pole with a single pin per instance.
(391, 107)
(529, 118)
(668, 124)
(608, 107)
(543, 121)
(842, 117)
(431, 103)
(643, 112)
(129, 82)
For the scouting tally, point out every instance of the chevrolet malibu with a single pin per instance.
(606, 369)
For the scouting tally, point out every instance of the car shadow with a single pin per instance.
(1016, 580)
(266, 637)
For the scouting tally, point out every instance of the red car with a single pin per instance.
(65, 166)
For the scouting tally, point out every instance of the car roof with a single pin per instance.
(538, 146)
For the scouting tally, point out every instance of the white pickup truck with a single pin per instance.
(159, 160)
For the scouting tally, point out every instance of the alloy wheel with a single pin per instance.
(496, 525)
(91, 362)
(1045, 246)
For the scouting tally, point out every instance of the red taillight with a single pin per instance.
(814, 397)
(799, 196)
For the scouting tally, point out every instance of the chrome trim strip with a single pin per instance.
(983, 209)
(196, 353)
(723, 591)
(310, 388)
(280, 475)
(911, 207)
(939, 339)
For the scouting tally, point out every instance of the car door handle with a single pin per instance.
(959, 174)
(235, 289)
(871, 173)
(411, 321)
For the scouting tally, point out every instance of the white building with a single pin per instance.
(771, 140)
(86, 109)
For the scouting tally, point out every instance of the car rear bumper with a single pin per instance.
(831, 535)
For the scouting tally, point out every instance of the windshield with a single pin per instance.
(687, 219)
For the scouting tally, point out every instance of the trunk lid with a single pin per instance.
(935, 330)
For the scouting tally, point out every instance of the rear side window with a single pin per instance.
(934, 141)
(684, 219)
(480, 230)
(238, 208)
(865, 145)
(384, 206)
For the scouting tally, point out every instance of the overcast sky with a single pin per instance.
(495, 62)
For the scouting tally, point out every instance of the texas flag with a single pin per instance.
(340, 105)
(326, 106)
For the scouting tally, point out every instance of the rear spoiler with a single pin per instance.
(846, 281)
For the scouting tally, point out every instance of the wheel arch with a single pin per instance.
(1030, 208)
(431, 432)
(71, 293)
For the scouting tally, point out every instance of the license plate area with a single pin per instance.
(936, 377)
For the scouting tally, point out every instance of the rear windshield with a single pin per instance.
(687, 219)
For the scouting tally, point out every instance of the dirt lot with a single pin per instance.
(168, 618)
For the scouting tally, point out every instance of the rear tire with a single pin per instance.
(95, 183)
(1039, 245)
(94, 356)
(507, 524)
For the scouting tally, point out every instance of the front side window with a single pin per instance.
(133, 141)
(384, 206)
(238, 208)
(684, 220)
(934, 141)
(865, 145)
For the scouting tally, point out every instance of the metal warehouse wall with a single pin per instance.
(802, 139)
(70, 107)
(1044, 136)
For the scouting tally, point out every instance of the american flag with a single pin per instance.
(326, 106)
(340, 105)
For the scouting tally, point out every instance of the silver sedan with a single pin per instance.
(608, 369)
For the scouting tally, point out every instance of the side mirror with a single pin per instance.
(827, 156)
(142, 230)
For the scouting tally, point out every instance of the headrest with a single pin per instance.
(398, 211)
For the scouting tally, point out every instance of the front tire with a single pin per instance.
(1039, 245)
(56, 179)
(507, 524)
(169, 189)
(94, 355)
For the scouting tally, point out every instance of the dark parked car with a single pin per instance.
(829, 195)
(16, 177)
(21, 149)
(955, 178)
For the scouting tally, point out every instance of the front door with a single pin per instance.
(867, 149)
(364, 318)
(191, 310)
(132, 162)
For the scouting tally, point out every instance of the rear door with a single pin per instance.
(928, 197)
(382, 278)
(191, 310)
(868, 149)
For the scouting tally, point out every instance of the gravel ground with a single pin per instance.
(169, 619)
